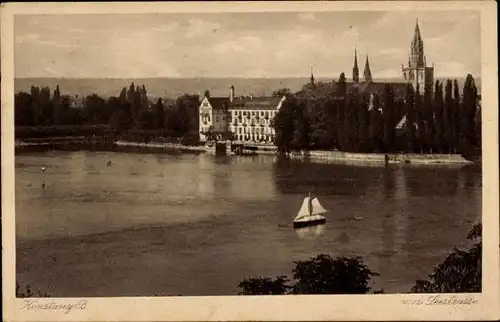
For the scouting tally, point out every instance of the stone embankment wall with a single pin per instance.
(161, 146)
(325, 156)
(337, 156)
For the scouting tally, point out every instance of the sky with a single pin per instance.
(272, 44)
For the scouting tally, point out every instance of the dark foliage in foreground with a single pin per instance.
(460, 272)
(318, 275)
(26, 291)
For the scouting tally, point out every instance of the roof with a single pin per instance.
(245, 103)
(401, 123)
(219, 102)
(378, 88)
(262, 102)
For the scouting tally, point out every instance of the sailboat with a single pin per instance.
(310, 213)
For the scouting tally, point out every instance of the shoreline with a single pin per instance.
(317, 156)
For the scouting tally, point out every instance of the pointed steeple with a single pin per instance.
(355, 69)
(367, 73)
(417, 37)
(417, 48)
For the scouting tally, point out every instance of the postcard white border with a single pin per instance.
(251, 308)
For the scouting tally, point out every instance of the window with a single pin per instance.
(216, 119)
(205, 104)
(253, 113)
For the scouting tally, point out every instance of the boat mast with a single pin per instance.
(309, 204)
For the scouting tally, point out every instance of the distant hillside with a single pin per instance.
(173, 87)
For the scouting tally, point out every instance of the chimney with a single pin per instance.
(231, 93)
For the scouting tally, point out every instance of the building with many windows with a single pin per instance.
(248, 118)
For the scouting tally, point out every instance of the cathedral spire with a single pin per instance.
(417, 37)
(367, 73)
(417, 48)
(355, 70)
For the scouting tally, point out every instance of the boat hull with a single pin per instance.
(300, 224)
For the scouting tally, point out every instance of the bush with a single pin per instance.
(324, 275)
(27, 292)
(318, 275)
(460, 272)
(42, 132)
(264, 286)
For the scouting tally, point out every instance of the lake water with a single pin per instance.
(157, 224)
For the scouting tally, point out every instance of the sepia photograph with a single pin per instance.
(241, 153)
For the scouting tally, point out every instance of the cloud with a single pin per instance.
(307, 16)
(242, 44)
(450, 69)
(199, 28)
(388, 73)
(239, 45)
(30, 37)
(396, 52)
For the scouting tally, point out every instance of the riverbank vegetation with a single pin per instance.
(326, 116)
(131, 115)
(459, 272)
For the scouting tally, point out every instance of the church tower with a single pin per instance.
(417, 72)
(355, 70)
(367, 73)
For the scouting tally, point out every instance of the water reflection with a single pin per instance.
(311, 232)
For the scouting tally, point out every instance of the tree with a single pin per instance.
(376, 126)
(457, 106)
(191, 104)
(46, 107)
(341, 93)
(320, 108)
(283, 125)
(410, 120)
(207, 94)
(419, 120)
(448, 116)
(428, 118)
(281, 92)
(460, 272)
(25, 115)
(317, 275)
(324, 275)
(438, 116)
(56, 102)
(300, 138)
(388, 115)
(468, 130)
(26, 291)
(363, 126)
(264, 286)
(159, 114)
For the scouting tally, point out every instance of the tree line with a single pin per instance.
(129, 112)
(328, 116)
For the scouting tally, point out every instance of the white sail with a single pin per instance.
(317, 208)
(305, 210)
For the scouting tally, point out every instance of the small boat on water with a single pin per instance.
(311, 213)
